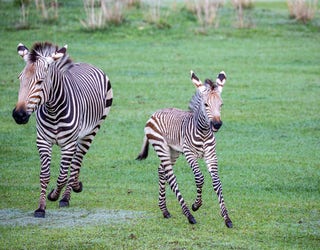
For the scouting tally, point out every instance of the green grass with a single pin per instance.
(268, 147)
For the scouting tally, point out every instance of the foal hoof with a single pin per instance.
(79, 189)
(191, 219)
(166, 215)
(228, 223)
(195, 208)
(63, 203)
(50, 198)
(39, 213)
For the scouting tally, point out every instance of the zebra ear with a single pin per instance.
(23, 51)
(60, 53)
(196, 81)
(57, 55)
(221, 80)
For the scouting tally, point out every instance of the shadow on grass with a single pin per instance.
(68, 217)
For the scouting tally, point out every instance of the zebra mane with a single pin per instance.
(41, 50)
(46, 49)
(195, 102)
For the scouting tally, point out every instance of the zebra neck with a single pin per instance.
(59, 94)
(201, 121)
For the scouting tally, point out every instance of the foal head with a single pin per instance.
(211, 102)
(34, 89)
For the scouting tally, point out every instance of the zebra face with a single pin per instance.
(211, 98)
(31, 92)
(34, 81)
(212, 104)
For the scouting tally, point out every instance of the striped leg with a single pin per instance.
(165, 172)
(162, 192)
(67, 154)
(172, 181)
(162, 184)
(199, 180)
(73, 182)
(212, 165)
(45, 150)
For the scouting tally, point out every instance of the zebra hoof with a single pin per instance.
(63, 203)
(39, 213)
(228, 223)
(195, 208)
(191, 219)
(166, 215)
(79, 189)
(50, 198)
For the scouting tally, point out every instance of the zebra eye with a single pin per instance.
(206, 104)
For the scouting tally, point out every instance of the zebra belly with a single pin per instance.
(177, 148)
(168, 123)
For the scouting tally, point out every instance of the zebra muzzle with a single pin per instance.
(215, 125)
(20, 116)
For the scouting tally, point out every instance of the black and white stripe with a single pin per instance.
(173, 131)
(70, 101)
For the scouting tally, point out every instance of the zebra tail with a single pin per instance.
(144, 150)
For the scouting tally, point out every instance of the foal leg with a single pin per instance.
(162, 192)
(162, 184)
(199, 180)
(212, 165)
(165, 172)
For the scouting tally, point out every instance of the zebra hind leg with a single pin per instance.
(172, 181)
(162, 192)
(73, 182)
(67, 155)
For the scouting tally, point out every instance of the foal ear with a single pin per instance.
(196, 81)
(221, 80)
(23, 51)
(57, 55)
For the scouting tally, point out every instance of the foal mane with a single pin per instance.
(196, 100)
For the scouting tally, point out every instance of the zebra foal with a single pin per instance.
(172, 131)
(70, 101)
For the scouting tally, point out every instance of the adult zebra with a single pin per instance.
(70, 101)
(173, 131)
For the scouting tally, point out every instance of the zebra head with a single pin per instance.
(210, 98)
(34, 83)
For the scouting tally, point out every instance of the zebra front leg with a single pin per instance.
(199, 180)
(217, 186)
(45, 150)
(67, 155)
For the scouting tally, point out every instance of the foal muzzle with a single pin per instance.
(215, 125)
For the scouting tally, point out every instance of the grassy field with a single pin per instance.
(268, 147)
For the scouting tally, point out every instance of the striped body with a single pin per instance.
(70, 101)
(173, 131)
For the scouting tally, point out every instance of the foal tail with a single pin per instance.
(144, 150)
